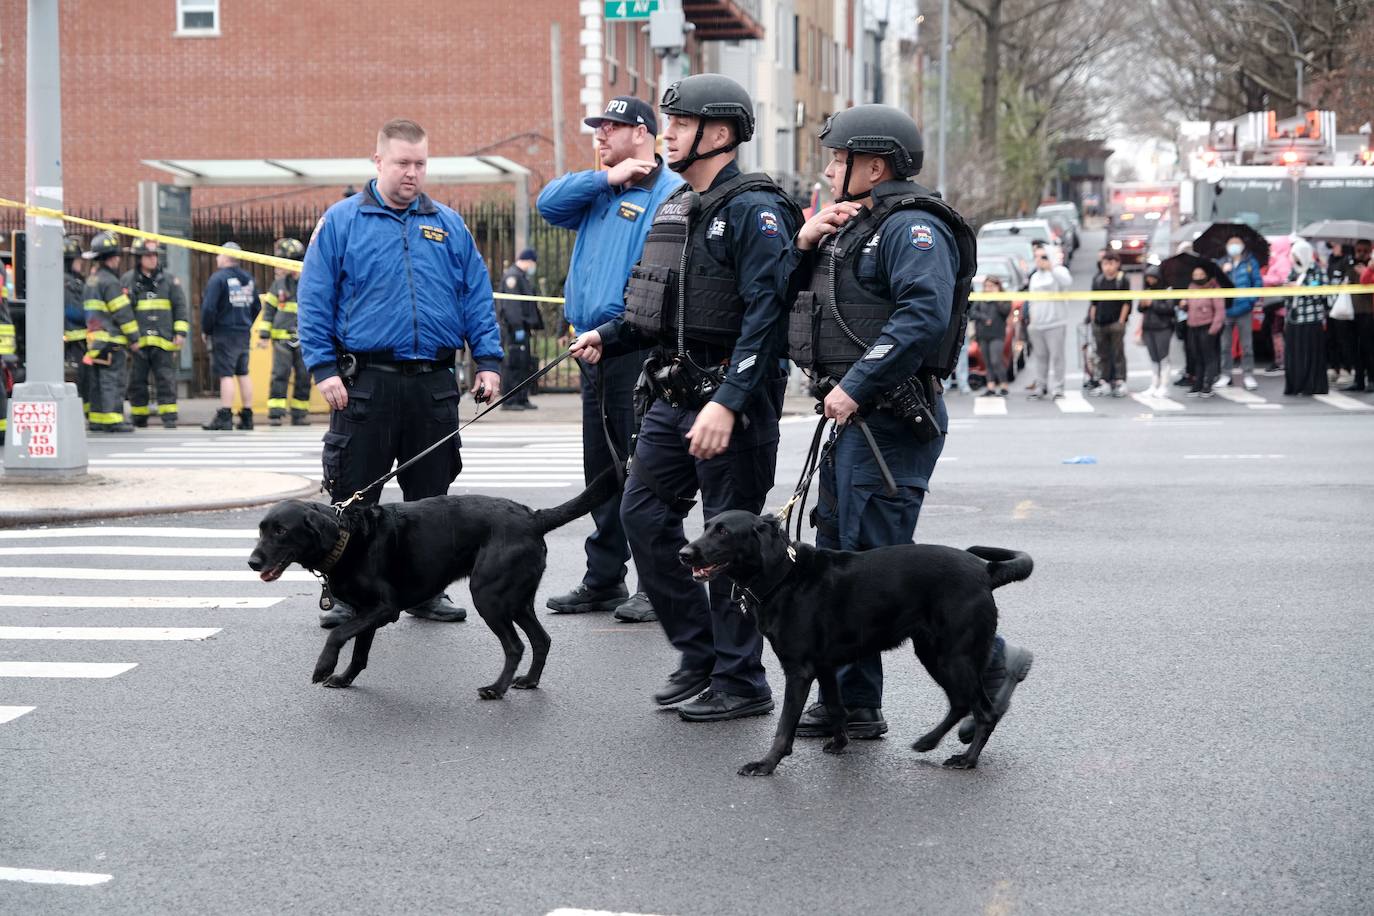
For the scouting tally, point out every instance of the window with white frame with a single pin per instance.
(197, 17)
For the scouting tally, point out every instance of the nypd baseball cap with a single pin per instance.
(626, 109)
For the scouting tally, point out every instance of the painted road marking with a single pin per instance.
(65, 669)
(116, 531)
(129, 633)
(1238, 395)
(10, 713)
(42, 876)
(82, 602)
(1073, 402)
(989, 407)
(131, 550)
(146, 575)
(1156, 404)
(1343, 401)
(1224, 457)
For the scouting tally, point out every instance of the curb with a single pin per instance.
(39, 517)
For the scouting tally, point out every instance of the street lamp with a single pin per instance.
(1297, 50)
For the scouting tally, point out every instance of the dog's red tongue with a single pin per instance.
(270, 575)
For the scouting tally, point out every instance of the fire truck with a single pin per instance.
(1135, 211)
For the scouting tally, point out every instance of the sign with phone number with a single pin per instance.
(34, 424)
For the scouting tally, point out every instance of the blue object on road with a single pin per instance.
(1080, 459)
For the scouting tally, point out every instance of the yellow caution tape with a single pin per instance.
(1081, 295)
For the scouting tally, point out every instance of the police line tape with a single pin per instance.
(1103, 295)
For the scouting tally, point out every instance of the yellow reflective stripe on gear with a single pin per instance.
(299, 405)
(130, 327)
(152, 340)
(118, 302)
(137, 411)
(96, 416)
(164, 409)
(4, 424)
(95, 305)
(268, 299)
(7, 340)
(153, 305)
(180, 327)
(282, 334)
(276, 402)
(74, 334)
(287, 307)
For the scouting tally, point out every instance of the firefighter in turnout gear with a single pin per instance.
(8, 357)
(709, 290)
(160, 306)
(111, 332)
(883, 279)
(279, 326)
(74, 317)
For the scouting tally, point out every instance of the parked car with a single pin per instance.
(1064, 217)
(1003, 267)
(1028, 229)
(1016, 248)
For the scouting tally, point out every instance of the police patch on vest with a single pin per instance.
(922, 237)
(717, 229)
(674, 211)
(433, 233)
(630, 211)
(768, 223)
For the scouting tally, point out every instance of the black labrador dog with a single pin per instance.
(821, 609)
(382, 559)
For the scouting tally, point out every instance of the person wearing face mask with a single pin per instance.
(1304, 337)
(1244, 272)
(1206, 315)
(1157, 331)
(519, 318)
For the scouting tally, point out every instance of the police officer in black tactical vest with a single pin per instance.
(884, 282)
(709, 289)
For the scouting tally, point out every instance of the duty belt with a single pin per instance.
(383, 362)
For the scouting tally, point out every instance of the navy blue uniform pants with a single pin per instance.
(607, 549)
(700, 621)
(855, 513)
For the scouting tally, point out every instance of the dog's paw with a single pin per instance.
(490, 692)
(925, 743)
(835, 745)
(320, 674)
(758, 768)
(523, 682)
(960, 762)
(338, 681)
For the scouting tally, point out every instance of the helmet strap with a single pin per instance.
(692, 156)
(844, 188)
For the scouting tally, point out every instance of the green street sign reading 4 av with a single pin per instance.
(630, 9)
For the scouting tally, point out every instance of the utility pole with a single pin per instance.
(944, 97)
(46, 441)
(556, 69)
(668, 28)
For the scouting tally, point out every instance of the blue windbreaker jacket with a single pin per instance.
(409, 283)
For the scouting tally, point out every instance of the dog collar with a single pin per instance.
(749, 599)
(339, 547)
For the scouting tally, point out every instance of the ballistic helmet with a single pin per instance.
(878, 130)
(710, 97)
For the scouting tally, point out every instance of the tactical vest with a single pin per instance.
(834, 322)
(151, 298)
(679, 293)
(279, 313)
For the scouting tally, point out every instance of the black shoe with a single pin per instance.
(1000, 684)
(339, 613)
(109, 428)
(511, 405)
(1351, 387)
(300, 419)
(246, 418)
(273, 420)
(439, 608)
(528, 406)
(718, 706)
(682, 685)
(141, 422)
(636, 610)
(169, 422)
(582, 599)
(861, 722)
(223, 419)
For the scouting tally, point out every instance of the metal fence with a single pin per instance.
(492, 224)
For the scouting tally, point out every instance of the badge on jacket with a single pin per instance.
(433, 233)
(630, 211)
(768, 223)
(922, 237)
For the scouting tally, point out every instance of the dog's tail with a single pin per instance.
(598, 491)
(1004, 565)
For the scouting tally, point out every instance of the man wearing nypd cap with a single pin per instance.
(611, 209)
(710, 291)
(884, 279)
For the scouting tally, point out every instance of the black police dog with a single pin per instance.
(821, 609)
(401, 554)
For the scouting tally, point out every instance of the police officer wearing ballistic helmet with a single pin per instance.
(709, 289)
(884, 282)
(391, 287)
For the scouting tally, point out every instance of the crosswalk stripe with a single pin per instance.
(82, 602)
(1342, 401)
(1238, 395)
(43, 876)
(133, 634)
(145, 575)
(123, 550)
(1156, 404)
(125, 531)
(990, 407)
(10, 713)
(65, 669)
(1073, 402)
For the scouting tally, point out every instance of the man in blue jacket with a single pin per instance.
(391, 288)
(611, 209)
(1244, 270)
(227, 310)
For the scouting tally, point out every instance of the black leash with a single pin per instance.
(815, 457)
(340, 507)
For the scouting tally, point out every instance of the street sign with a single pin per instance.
(630, 9)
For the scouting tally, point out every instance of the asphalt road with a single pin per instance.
(1191, 739)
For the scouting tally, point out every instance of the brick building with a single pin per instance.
(251, 79)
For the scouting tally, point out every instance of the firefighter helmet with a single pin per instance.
(102, 246)
(141, 247)
(71, 247)
(289, 248)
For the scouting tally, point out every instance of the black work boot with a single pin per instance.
(584, 599)
(246, 418)
(274, 419)
(223, 419)
(140, 421)
(682, 685)
(169, 421)
(719, 706)
(439, 608)
(636, 610)
(300, 418)
(862, 723)
(1005, 670)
